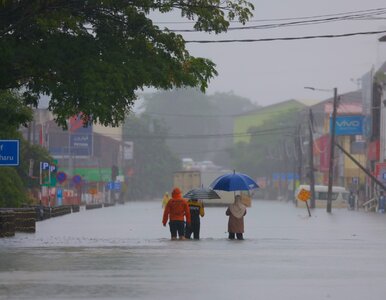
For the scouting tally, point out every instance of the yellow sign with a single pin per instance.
(304, 195)
(93, 191)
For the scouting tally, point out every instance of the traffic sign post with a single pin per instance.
(304, 195)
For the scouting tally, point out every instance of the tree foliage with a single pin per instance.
(268, 151)
(153, 164)
(12, 190)
(200, 125)
(15, 181)
(13, 113)
(92, 56)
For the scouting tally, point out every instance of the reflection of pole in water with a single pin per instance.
(308, 208)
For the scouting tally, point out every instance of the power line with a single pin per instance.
(297, 23)
(286, 38)
(247, 113)
(284, 19)
(269, 131)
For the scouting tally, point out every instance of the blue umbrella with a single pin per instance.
(234, 182)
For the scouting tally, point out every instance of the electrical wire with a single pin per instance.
(296, 23)
(283, 19)
(256, 111)
(269, 131)
(287, 38)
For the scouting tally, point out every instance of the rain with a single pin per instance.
(98, 134)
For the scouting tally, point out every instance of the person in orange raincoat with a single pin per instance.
(177, 211)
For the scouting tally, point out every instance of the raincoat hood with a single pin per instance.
(237, 209)
(177, 194)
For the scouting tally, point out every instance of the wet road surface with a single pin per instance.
(124, 252)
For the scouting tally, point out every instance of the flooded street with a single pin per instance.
(124, 252)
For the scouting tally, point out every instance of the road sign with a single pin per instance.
(304, 195)
(61, 177)
(114, 185)
(77, 179)
(9, 153)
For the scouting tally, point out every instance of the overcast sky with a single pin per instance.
(271, 72)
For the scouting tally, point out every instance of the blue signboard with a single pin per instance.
(9, 152)
(348, 125)
(113, 185)
(59, 197)
(77, 141)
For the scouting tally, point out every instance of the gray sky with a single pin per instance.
(271, 72)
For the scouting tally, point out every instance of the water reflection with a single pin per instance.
(124, 252)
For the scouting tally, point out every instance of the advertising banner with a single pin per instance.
(80, 137)
(348, 125)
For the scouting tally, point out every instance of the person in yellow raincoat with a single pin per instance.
(165, 200)
(196, 210)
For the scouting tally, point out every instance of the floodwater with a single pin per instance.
(124, 252)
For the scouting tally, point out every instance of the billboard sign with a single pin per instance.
(348, 125)
(80, 137)
(128, 150)
(9, 153)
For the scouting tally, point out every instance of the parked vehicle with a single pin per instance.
(187, 163)
(339, 196)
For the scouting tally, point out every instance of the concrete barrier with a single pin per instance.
(93, 206)
(25, 220)
(7, 223)
(75, 208)
(60, 210)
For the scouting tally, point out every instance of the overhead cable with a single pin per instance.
(287, 38)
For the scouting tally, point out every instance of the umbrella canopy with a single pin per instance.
(201, 193)
(234, 182)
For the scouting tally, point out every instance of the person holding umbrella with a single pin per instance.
(177, 211)
(236, 213)
(196, 210)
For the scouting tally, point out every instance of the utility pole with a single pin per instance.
(300, 153)
(311, 158)
(332, 145)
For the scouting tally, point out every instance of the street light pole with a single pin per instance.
(311, 158)
(332, 145)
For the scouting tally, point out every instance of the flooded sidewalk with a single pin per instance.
(124, 252)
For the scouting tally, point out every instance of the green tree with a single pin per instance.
(15, 181)
(153, 163)
(269, 146)
(29, 168)
(12, 190)
(200, 125)
(13, 113)
(92, 56)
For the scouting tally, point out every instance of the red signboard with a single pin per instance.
(379, 167)
(323, 149)
(373, 151)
